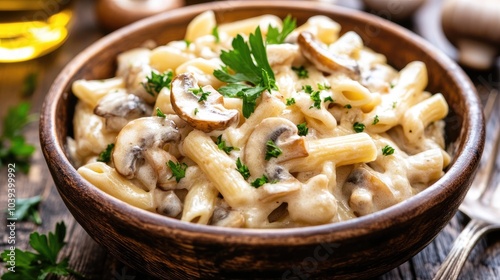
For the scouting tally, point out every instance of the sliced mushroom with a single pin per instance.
(324, 60)
(119, 107)
(224, 216)
(284, 134)
(205, 115)
(135, 143)
(169, 204)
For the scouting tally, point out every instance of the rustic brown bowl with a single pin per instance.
(359, 248)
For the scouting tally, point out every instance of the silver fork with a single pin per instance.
(482, 202)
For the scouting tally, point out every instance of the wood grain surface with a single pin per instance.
(94, 262)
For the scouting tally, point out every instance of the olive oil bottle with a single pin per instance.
(32, 28)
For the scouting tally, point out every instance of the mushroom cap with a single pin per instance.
(136, 138)
(207, 115)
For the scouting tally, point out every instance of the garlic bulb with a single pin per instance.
(472, 26)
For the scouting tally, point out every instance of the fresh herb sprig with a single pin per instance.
(43, 262)
(276, 36)
(387, 150)
(247, 71)
(27, 209)
(221, 144)
(105, 156)
(272, 150)
(243, 169)
(155, 82)
(13, 146)
(178, 170)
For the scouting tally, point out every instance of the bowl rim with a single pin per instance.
(473, 139)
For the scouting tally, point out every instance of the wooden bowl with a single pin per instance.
(358, 248)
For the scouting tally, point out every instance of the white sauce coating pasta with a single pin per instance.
(374, 136)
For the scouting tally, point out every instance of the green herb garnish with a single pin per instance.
(178, 170)
(43, 262)
(215, 33)
(260, 181)
(307, 89)
(358, 127)
(348, 106)
(290, 101)
(196, 111)
(303, 129)
(27, 209)
(105, 156)
(323, 86)
(275, 36)
(156, 82)
(13, 146)
(301, 72)
(387, 150)
(375, 120)
(221, 144)
(316, 98)
(159, 113)
(328, 98)
(252, 72)
(199, 91)
(243, 169)
(272, 151)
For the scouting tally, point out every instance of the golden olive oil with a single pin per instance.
(32, 28)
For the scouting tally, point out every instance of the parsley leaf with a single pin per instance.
(39, 265)
(27, 209)
(159, 113)
(328, 98)
(156, 82)
(303, 129)
(272, 151)
(348, 106)
(199, 91)
(358, 127)
(307, 89)
(375, 120)
(260, 181)
(316, 98)
(301, 72)
(387, 150)
(13, 146)
(274, 36)
(252, 72)
(290, 101)
(178, 170)
(215, 33)
(221, 144)
(105, 156)
(243, 169)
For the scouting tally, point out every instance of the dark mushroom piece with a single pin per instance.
(135, 144)
(203, 110)
(324, 60)
(119, 107)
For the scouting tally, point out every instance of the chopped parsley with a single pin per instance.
(215, 33)
(290, 101)
(260, 181)
(272, 151)
(221, 144)
(275, 36)
(303, 129)
(155, 82)
(301, 72)
(199, 91)
(43, 262)
(247, 71)
(243, 169)
(307, 89)
(348, 106)
(394, 104)
(358, 127)
(159, 113)
(328, 98)
(13, 146)
(105, 156)
(187, 43)
(196, 111)
(375, 120)
(316, 98)
(178, 170)
(27, 209)
(323, 86)
(387, 150)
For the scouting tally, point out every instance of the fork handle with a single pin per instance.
(451, 267)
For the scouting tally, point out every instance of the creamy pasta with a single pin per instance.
(260, 124)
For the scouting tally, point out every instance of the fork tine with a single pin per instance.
(487, 164)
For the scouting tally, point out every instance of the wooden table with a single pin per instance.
(93, 260)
